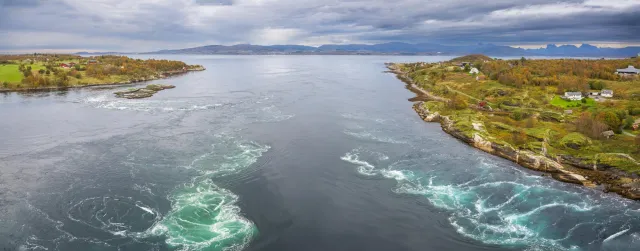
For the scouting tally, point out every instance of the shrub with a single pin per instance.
(634, 111)
(530, 123)
(519, 115)
(628, 122)
(457, 103)
(596, 84)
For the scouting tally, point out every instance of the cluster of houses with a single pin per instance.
(628, 71)
(72, 64)
(594, 94)
(473, 69)
(67, 66)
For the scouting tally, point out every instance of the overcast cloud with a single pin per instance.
(147, 25)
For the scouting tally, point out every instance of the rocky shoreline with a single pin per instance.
(161, 75)
(563, 168)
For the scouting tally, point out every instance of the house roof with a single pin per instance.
(630, 68)
(608, 133)
(573, 93)
(607, 91)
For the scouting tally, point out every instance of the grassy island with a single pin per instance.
(551, 115)
(31, 72)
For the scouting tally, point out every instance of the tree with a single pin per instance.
(27, 72)
(41, 71)
(48, 72)
(628, 122)
(588, 125)
(611, 119)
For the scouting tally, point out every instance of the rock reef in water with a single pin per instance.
(137, 93)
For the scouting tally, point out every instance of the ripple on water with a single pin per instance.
(497, 209)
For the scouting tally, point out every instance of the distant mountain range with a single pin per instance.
(396, 48)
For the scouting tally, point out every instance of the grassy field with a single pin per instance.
(557, 101)
(9, 73)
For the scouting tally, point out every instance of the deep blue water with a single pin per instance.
(276, 153)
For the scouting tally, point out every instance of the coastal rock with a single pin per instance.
(138, 93)
(566, 178)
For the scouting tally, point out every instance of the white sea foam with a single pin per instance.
(146, 105)
(373, 137)
(613, 236)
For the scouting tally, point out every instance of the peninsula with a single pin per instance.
(576, 119)
(35, 72)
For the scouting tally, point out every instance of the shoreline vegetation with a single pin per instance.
(500, 110)
(53, 72)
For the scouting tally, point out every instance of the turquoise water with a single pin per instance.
(204, 216)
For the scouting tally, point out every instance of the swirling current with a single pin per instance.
(276, 153)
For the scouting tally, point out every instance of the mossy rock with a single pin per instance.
(503, 126)
(550, 116)
(154, 87)
(619, 162)
(575, 141)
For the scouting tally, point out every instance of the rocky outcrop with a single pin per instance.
(138, 93)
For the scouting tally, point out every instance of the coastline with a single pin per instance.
(563, 168)
(161, 75)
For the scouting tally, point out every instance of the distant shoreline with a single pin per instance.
(354, 54)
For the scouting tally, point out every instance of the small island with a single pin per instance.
(576, 119)
(138, 93)
(37, 72)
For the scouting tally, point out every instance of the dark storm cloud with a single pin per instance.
(158, 24)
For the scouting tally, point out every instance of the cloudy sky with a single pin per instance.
(147, 25)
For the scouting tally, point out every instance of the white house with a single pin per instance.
(474, 70)
(594, 93)
(573, 95)
(629, 70)
(607, 93)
